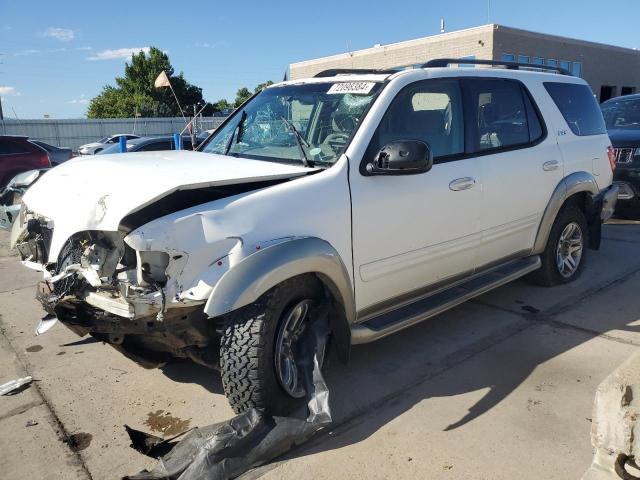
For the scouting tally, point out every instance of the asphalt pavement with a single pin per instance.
(499, 388)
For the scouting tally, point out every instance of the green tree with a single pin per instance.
(221, 104)
(135, 91)
(241, 96)
(262, 86)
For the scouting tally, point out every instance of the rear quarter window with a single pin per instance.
(578, 107)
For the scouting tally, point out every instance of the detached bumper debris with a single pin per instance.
(15, 386)
(228, 449)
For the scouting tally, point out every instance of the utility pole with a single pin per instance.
(1, 116)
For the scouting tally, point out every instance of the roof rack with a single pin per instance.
(445, 62)
(352, 71)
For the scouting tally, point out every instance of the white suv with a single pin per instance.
(386, 196)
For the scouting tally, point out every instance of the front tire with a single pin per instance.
(257, 355)
(564, 256)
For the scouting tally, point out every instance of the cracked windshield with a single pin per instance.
(296, 123)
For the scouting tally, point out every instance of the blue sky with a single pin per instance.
(56, 55)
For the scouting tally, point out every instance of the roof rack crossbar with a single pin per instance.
(445, 62)
(352, 71)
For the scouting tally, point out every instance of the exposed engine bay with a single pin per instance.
(102, 287)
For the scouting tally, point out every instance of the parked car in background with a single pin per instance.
(11, 195)
(202, 136)
(57, 155)
(148, 144)
(622, 117)
(95, 147)
(17, 155)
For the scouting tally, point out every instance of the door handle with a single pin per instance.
(464, 183)
(550, 165)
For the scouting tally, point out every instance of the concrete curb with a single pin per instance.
(615, 428)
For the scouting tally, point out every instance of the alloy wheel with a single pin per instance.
(569, 250)
(287, 351)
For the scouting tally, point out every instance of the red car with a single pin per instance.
(18, 155)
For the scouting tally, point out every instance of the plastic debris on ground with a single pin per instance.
(228, 449)
(15, 386)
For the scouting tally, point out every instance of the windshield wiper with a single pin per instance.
(300, 140)
(239, 129)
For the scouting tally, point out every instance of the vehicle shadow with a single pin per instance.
(186, 371)
(497, 366)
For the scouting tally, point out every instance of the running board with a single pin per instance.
(441, 300)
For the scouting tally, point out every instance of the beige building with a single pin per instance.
(610, 70)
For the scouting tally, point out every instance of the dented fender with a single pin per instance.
(256, 274)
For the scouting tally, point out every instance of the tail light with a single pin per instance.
(611, 153)
(44, 161)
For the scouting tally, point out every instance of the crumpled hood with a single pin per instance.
(97, 193)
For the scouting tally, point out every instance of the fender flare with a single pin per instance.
(570, 185)
(259, 272)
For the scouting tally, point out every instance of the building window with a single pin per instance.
(628, 90)
(467, 65)
(523, 59)
(576, 69)
(538, 61)
(565, 64)
(508, 57)
(552, 63)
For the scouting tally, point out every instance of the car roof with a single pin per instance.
(623, 98)
(436, 72)
(14, 137)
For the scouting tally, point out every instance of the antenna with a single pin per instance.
(488, 12)
(442, 25)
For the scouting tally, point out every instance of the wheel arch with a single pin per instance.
(258, 273)
(580, 188)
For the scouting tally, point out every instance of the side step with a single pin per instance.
(441, 300)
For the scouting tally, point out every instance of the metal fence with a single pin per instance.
(73, 133)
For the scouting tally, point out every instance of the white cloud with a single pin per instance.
(9, 92)
(81, 100)
(118, 53)
(24, 53)
(62, 34)
(211, 45)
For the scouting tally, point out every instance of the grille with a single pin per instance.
(624, 155)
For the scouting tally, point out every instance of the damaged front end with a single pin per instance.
(100, 286)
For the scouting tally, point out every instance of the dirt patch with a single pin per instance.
(34, 348)
(79, 441)
(165, 423)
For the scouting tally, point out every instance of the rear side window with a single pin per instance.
(9, 147)
(502, 115)
(578, 107)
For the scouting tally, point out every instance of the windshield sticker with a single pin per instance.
(361, 88)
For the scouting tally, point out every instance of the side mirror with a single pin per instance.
(403, 157)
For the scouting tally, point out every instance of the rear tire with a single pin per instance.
(248, 345)
(564, 256)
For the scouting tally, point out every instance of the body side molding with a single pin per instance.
(263, 270)
(568, 186)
